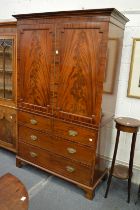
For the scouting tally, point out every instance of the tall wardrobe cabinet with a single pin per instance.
(62, 58)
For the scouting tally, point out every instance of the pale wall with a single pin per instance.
(125, 106)
(9, 7)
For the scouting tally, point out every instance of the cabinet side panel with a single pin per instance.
(115, 41)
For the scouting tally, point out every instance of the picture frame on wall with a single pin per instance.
(134, 75)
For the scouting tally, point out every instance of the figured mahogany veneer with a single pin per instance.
(75, 133)
(58, 164)
(34, 121)
(8, 88)
(57, 145)
(8, 128)
(62, 59)
(13, 194)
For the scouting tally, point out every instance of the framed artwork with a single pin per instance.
(112, 56)
(134, 75)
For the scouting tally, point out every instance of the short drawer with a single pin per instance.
(75, 133)
(34, 121)
(59, 146)
(55, 163)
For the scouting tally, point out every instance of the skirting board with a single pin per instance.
(136, 169)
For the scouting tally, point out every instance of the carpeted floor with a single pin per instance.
(47, 192)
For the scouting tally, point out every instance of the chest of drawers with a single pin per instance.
(61, 148)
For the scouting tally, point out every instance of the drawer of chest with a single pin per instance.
(75, 133)
(59, 146)
(34, 121)
(55, 163)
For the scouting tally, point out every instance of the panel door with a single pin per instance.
(7, 65)
(78, 59)
(35, 68)
(8, 128)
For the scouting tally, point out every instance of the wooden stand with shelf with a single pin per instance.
(129, 125)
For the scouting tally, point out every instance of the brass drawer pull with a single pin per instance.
(72, 133)
(71, 150)
(33, 154)
(33, 121)
(33, 137)
(70, 169)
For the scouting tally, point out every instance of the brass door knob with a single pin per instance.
(56, 52)
(71, 150)
(70, 169)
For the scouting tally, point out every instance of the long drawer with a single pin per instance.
(57, 145)
(62, 166)
(34, 121)
(75, 133)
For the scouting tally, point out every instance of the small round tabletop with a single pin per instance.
(13, 194)
(127, 121)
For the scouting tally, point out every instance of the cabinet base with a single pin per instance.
(89, 191)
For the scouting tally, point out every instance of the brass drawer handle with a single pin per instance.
(33, 137)
(70, 169)
(72, 133)
(33, 121)
(33, 154)
(71, 150)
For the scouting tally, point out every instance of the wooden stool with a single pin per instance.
(13, 195)
(129, 125)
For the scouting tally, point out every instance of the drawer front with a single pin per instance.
(57, 145)
(75, 133)
(57, 164)
(34, 121)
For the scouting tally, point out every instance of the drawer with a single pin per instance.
(57, 145)
(34, 121)
(55, 163)
(75, 133)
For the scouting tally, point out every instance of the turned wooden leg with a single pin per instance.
(131, 164)
(18, 163)
(113, 163)
(89, 194)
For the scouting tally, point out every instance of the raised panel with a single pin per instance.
(8, 128)
(36, 59)
(77, 71)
